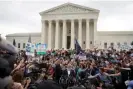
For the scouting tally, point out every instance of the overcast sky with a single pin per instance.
(23, 15)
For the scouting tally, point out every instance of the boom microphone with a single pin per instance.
(5, 45)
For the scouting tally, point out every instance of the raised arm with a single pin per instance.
(117, 74)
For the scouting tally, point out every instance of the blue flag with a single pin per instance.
(77, 47)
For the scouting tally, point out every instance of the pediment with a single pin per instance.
(69, 8)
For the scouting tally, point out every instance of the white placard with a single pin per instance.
(82, 57)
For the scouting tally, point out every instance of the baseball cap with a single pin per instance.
(130, 85)
(48, 84)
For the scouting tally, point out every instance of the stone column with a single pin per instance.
(43, 33)
(57, 35)
(87, 34)
(64, 40)
(49, 34)
(95, 32)
(80, 32)
(72, 34)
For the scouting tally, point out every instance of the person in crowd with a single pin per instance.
(130, 85)
(107, 67)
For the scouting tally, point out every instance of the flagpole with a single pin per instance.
(29, 40)
(74, 39)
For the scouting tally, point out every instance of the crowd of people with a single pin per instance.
(67, 69)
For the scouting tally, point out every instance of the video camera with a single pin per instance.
(7, 57)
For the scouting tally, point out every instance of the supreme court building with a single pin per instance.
(62, 24)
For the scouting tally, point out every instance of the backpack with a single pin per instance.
(63, 81)
(71, 81)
